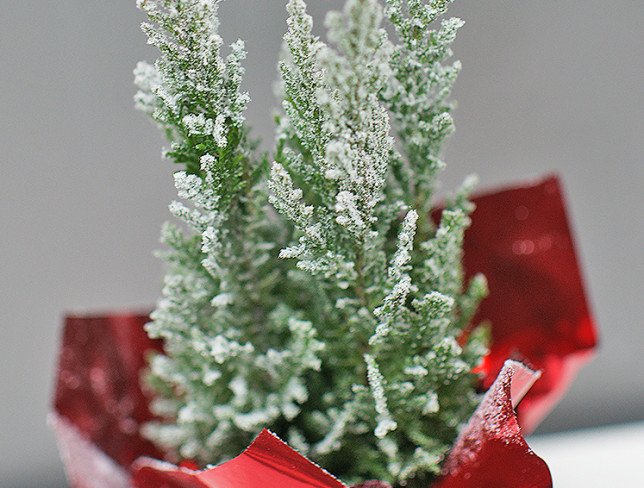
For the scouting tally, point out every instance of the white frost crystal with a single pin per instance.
(376, 382)
(313, 295)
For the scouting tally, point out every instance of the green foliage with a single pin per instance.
(315, 297)
(218, 384)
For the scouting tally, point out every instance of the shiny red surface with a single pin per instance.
(521, 240)
(491, 451)
(267, 463)
(98, 384)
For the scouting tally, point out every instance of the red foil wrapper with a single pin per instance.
(267, 463)
(520, 239)
(99, 396)
(491, 450)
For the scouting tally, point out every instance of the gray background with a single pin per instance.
(548, 85)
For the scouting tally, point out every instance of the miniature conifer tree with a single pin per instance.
(314, 295)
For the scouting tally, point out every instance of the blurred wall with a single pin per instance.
(550, 85)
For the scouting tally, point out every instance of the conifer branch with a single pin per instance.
(336, 318)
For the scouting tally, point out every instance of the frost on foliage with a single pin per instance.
(313, 296)
(393, 280)
(192, 92)
(236, 357)
(421, 84)
(332, 110)
(376, 382)
(398, 278)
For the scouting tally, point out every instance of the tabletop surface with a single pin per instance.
(599, 457)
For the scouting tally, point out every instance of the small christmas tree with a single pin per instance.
(310, 292)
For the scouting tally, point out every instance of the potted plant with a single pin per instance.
(319, 291)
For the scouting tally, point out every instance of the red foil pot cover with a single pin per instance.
(491, 447)
(267, 463)
(99, 397)
(520, 239)
(489, 452)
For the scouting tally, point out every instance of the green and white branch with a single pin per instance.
(313, 296)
